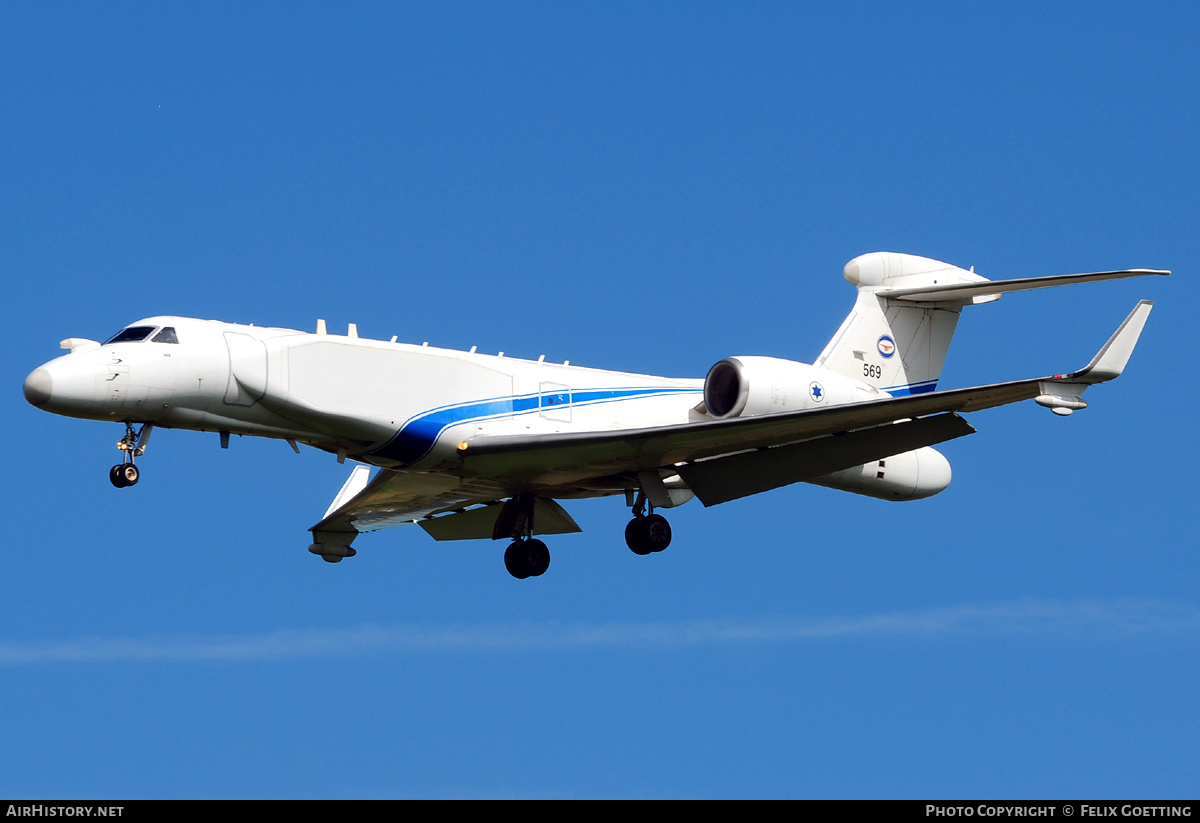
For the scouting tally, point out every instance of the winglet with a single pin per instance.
(1063, 393)
(353, 485)
(333, 541)
(1110, 361)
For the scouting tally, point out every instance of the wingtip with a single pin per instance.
(1110, 361)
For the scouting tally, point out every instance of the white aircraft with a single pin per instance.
(482, 446)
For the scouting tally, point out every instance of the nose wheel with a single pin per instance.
(123, 474)
(132, 445)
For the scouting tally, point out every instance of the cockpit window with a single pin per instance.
(167, 335)
(131, 335)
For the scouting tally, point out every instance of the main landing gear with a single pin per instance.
(647, 533)
(526, 556)
(132, 445)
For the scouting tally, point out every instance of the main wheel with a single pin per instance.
(537, 556)
(516, 560)
(658, 532)
(636, 537)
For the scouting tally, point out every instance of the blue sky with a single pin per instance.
(646, 187)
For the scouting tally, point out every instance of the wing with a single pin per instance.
(714, 453)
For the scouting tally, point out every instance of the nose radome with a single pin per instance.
(38, 386)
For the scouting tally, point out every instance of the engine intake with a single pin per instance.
(725, 389)
(747, 386)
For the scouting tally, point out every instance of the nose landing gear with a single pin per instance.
(132, 445)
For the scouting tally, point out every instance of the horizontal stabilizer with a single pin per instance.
(729, 478)
(968, 292)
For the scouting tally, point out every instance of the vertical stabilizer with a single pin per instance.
(895, 346)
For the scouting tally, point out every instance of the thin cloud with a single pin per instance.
(1034, 619)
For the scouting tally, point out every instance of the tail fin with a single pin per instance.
(897, 336)
(894, 346)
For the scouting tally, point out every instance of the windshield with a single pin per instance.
(130, 335)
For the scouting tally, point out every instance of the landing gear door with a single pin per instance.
(554, 402)
(116, 385)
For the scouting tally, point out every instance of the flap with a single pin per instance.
(477, 523)
(740, 475)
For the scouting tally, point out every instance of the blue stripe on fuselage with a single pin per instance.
(419, 433)
(911, 388)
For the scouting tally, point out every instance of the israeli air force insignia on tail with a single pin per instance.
(887, 346)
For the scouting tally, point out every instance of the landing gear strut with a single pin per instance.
(647, 533)
(526, 556)
(132, 445)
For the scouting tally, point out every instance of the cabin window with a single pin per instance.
(133, 334)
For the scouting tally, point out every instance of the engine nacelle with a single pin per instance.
(748, 386)
(909, 476)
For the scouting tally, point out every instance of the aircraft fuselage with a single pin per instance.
(388, 404)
